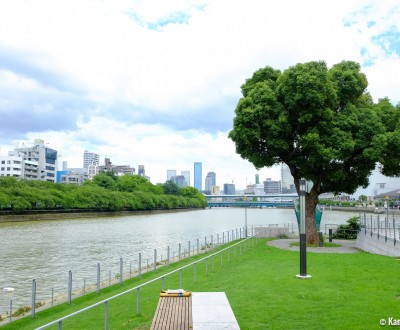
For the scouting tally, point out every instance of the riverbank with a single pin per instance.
(256, 278)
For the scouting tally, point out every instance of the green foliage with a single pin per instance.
(104, 193)
(171, 188)
(348, 231)
(322, 123)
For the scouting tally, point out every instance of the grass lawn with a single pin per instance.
(346, 291)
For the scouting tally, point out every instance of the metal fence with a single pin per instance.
(382, 225)
(59, 287)
(232, 250)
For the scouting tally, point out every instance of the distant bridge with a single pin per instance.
(283, 200)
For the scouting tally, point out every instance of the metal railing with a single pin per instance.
(58, 287)
(381, 226)
(243, 245)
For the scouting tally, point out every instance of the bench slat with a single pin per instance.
(173, 313)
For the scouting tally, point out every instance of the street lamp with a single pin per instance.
(245, 216)
(303, 238)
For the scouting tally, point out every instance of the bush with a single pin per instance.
(350, 230)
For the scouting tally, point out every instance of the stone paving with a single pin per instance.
(347, 246)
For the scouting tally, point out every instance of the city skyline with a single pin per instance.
(151, 83)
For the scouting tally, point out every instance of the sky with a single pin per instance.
(157, 82)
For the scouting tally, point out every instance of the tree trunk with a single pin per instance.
(311, 227)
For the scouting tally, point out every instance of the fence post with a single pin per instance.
(194, 272)
(330, 234)
(217, 240)
(106, 315)
(179, 252)
(11, 308)
(223, 238)
(198, 246)
(155, 259)
(121, 266)
(205, 244)
(98, 277)
(137, 301)
(33, 298)
(168, 255)
(69, 287)
(212, 241)
(140, 265)
(207, 267)
(394, 231)
(188, 248)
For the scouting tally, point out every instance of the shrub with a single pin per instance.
(350, 230)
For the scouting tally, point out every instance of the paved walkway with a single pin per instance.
(347, 246)
(212, 311)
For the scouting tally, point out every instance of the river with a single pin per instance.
(46, 250)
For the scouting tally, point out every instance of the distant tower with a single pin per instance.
(257, 178)
(90, 158)
(170, 174)
(198, 176)
(210, 181)
(186, 174)
(141, 170)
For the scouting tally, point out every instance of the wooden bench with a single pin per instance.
(173, 313)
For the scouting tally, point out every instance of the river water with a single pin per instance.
(47, 250)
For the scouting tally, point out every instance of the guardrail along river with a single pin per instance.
(47, 250)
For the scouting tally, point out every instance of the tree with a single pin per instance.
(320, 122)
(171, 188)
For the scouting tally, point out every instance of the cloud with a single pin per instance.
(156, 83)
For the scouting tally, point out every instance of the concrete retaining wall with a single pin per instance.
(271, 231)
(378, 244)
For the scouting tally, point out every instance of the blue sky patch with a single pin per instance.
(388, 41)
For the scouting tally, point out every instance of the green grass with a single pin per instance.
(346, 291)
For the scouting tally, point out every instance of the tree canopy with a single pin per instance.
(322, 123)
(106, 192)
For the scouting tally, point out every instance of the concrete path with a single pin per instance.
(347, 246)
(212, 311)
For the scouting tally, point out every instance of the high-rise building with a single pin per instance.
(46, 159)
(198, 175)
(229, 189)
(90, 158)
(257, 179)
(287, 180)
(210, 181)
(141, 170)
(170, 174)
(186, 174)
(272, 186)
(179, 180)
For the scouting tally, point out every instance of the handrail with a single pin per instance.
(59, 321)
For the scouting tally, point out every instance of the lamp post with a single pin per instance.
(245, 216)
(303, 238)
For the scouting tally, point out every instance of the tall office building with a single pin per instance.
(198, 175)
(90, 158)
(170, 174)
(229, 189)
(287, 180)
(141, 170)
(186, 174)
(272, 186)
(210, 181)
